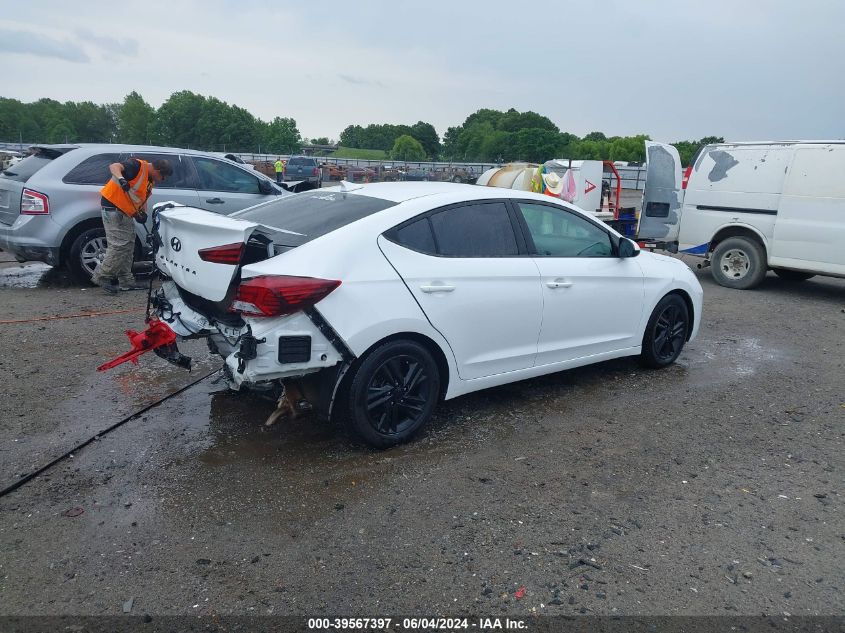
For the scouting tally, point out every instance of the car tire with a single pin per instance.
(457, 179)
(793, 275)
(665, 333)
(738, 262)
(86, 252)
(392, 393)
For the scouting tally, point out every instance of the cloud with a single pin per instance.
(124, 47)
(358, 81)
(28, 43)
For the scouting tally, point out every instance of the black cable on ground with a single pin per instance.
(29, 477)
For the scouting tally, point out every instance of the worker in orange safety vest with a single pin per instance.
(124, 198)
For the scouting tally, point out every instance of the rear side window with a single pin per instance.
(417, 236)
(475, 230)
(24, 170)
(302, 217)
(94, 170)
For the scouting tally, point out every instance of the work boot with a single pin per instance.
(106, 284)
(125, 286)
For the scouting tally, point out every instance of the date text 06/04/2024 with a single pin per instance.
(416, 624)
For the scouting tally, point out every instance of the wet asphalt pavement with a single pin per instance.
(712, 487)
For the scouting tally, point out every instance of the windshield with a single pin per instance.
(303, 217)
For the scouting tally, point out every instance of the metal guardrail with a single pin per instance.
(632, 177)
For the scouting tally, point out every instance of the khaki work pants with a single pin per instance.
(120, 247)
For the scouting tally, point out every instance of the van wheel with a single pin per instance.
(393, 393)
(665, 333)
(738, 262)
(792, 275)
(86, 253)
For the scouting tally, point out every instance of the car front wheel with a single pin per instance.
(393, 393)
(666, 332)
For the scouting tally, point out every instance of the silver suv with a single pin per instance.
(50, 201)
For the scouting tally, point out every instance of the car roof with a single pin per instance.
(752, 143)
(121, 147)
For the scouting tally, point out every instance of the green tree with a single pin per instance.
(282, 137)
(407, 148)
(175, 121)
(134, 120)
(321, 140)
(428, 138)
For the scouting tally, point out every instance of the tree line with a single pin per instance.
(195, 121)
(185, 120)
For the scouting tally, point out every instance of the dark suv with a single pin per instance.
(304, 168)
(50, 201)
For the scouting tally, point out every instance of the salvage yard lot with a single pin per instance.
(711, 487)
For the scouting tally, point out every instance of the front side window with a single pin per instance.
(480, 229)
(215, 175)
(178, 180)
(557, 232)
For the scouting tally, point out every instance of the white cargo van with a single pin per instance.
(750, 207)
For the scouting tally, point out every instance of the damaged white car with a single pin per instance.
(370, 303)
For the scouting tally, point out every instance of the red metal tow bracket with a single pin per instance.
(156, 335)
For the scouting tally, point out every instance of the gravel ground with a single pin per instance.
(711, 487)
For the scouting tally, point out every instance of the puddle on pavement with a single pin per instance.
(730, 358)
(34, 275)
(40, 275)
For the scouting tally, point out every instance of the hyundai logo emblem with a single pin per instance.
(175, 244)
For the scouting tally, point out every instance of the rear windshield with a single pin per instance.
(312, 214)
(302, 161)
(23, 170)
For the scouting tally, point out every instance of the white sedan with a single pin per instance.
(370, 303)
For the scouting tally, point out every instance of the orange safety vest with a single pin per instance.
(140, 188)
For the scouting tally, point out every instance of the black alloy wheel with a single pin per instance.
(666, 332)
(393, 393)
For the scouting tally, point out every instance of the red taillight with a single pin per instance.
(34, 203)
(316, 171)
(228, 254)
(685, 180)
(280, 295)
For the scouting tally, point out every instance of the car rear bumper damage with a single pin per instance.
(260, 351)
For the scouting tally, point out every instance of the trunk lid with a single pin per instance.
(10, 200)
(185, 231)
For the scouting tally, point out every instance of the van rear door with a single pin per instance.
(661, 211)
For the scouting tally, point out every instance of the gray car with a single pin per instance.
(50, 201)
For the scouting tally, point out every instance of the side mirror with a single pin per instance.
(627, 248)
(265, 187)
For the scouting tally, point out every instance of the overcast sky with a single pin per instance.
(745, 70)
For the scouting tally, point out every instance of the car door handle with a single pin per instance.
(215, 201)
(437, 288)
(558, 283)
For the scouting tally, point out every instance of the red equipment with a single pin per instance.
(156, 335)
